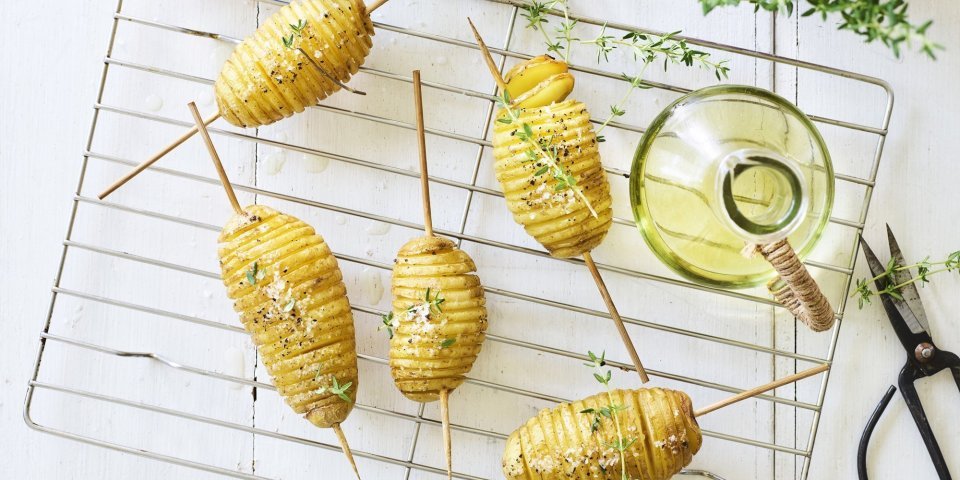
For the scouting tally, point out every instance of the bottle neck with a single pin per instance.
(761, 196)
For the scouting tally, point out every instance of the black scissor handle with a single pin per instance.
(945, 360)
(868, 430)
(908, 375)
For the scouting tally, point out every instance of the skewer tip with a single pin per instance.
(375, 5)
(763, 388)
(346, 449)
(201, 126)
(488, 58)
(157, 156)
(447, 444)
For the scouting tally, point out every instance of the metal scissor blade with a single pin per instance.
(876, 268)
(911, 308)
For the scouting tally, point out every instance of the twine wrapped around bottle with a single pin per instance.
(794, 288)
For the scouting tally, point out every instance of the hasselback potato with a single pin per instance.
(289, 292)
(555, 216)
(268, 78)
(439, 317)
(563, 442)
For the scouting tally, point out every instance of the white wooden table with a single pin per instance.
(53, 57)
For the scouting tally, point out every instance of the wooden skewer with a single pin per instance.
(424, 177)
(157, 156)
(428, 229)
(445, 418)
(494, 71)
(615, 315)
(763, 388)
(375, 5)
(346, 448)
(202, 128)
(215, 157)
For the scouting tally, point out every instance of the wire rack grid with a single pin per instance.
(407, 462)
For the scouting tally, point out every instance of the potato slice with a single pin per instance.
(539, 81)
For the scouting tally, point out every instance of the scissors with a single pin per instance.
(924, 359)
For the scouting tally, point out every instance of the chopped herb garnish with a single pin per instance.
(254, 274)
(448, 343)
(341, 390)
(388, 324)
(429, 305)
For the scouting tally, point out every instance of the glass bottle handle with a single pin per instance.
(795, 289)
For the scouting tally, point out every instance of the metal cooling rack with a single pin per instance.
(49, 337)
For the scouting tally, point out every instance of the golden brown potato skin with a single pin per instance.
(264, 81)
(420, 364)
(558, 443)
(306, 346)
(560, 221)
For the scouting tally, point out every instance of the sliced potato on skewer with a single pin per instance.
(302, 54)
(439, 315)
(565, 442)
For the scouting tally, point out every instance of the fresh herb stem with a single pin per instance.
(920, 279)
(618, 110)
(611, 411)
(565, 30)
(925, 269)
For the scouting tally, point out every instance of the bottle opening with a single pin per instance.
(762, 195)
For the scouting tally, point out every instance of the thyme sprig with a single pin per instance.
(610, 411)
(338, 390)
(925, 268)
(435, 302)
(885, 21)
(541, 152)
(536, 14)
(389, 323)
(645, 47)
(427, 307)
(297, 33)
